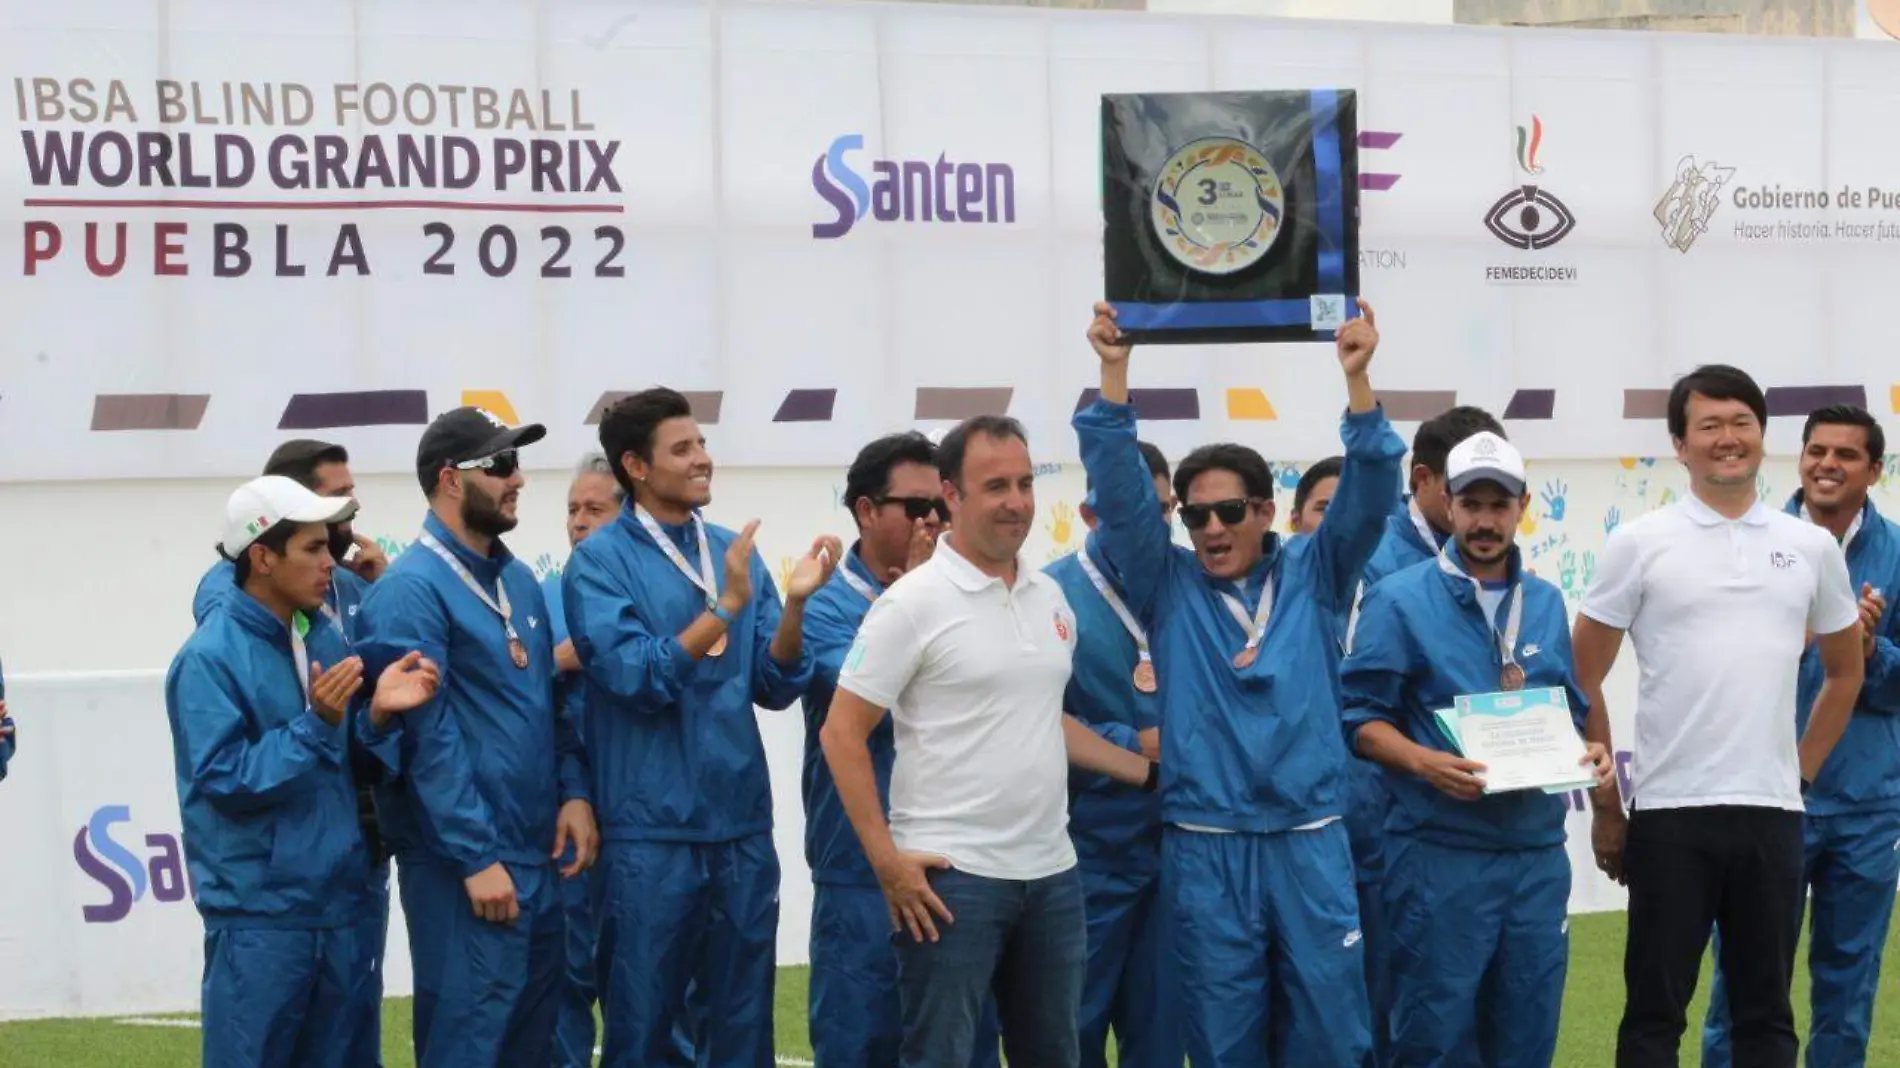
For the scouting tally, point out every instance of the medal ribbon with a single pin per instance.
(704, 579)
(856, 582)
(1513, 620)
(1853, 529)
(299, 624)
(1256, 627)
(1115, 602)
(501, 609)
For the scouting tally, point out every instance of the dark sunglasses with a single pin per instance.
(500, 465)
(916, 508)
(1231, 511)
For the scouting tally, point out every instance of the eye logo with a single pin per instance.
(913, 191)
(1530, 217)
(124, 876)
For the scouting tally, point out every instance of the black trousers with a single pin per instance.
(1737, 869)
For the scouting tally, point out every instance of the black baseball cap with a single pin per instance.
(298, 457)
(462, 434)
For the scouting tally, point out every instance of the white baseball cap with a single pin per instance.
(1485, 457)
(264, 503)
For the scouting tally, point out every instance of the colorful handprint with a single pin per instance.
(1612, 519)
(1555, 503)
(1061, 523)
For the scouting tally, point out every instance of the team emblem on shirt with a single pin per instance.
(1781, 561)
(1062, 627)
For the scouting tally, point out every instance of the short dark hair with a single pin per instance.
(1151, 455)
(1716, 381)
(870, 473)
(629, 424)
(1848, 415)
(1316, 474)
(1252, 468)
(1437, 436)
(276, 539)
(950, 451)
(298, 460)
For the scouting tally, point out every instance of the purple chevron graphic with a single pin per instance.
(1375, 140)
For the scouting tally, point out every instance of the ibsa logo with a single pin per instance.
(121, 872)
(911, 190)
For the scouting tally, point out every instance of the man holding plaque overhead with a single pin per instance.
(1478, 880)
(677, 651)
(1117, 828)
(1244, 632)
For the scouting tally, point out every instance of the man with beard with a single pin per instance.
(324, 469)
(894, 493)
(1245, 634)
(1314, 494)
(1477, 885)
(593, 499)
(1414, 533)
(676, 659)
(1720, 593)
(494, 784)
(1116, 828)
(971, 655)
(259, 700)
(1853, 808)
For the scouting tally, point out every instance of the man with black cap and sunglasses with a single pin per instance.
(1244, 630)
(677, 652)
(895, 495)
(494, 782)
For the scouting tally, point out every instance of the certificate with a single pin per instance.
(1526, 740)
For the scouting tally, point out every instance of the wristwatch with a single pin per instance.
(1154, 777)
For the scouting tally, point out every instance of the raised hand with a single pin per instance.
(404, 686)
(330, 691)
(1356, 341)
(814, 568)
(738, 591)
(921, 546)
(1106, 337)
(370, 561)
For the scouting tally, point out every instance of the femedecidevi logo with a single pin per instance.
(121, 872)
(914, 191)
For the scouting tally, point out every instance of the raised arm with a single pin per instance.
(1131, 533)
(1369, 480)
(784, 665)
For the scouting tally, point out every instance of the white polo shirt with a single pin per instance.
(1719, 610)
(973, 673)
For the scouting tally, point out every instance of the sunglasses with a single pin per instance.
(501, 465)
(916, 508)
(1230, 511)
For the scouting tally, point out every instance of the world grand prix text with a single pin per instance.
(283, 173)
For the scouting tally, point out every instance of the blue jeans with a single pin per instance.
(1025, 941)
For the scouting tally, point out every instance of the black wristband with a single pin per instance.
(1154, 777)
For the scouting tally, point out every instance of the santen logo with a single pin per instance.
(913, 191)
(121, 871)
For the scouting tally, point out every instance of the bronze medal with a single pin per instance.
(518, 652)
(718, 647)
(1511, 678)
(1245, 658)
(1145, 676)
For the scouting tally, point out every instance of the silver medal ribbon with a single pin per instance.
(1853, 529)
(1513, 619)
(856, 582)
(704, 579)
(500, 608)
(1115, 602)
(1255, 627)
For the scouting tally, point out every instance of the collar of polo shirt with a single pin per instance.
(1698, 510)
(967, 576)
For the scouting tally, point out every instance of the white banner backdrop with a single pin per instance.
(222, 221)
